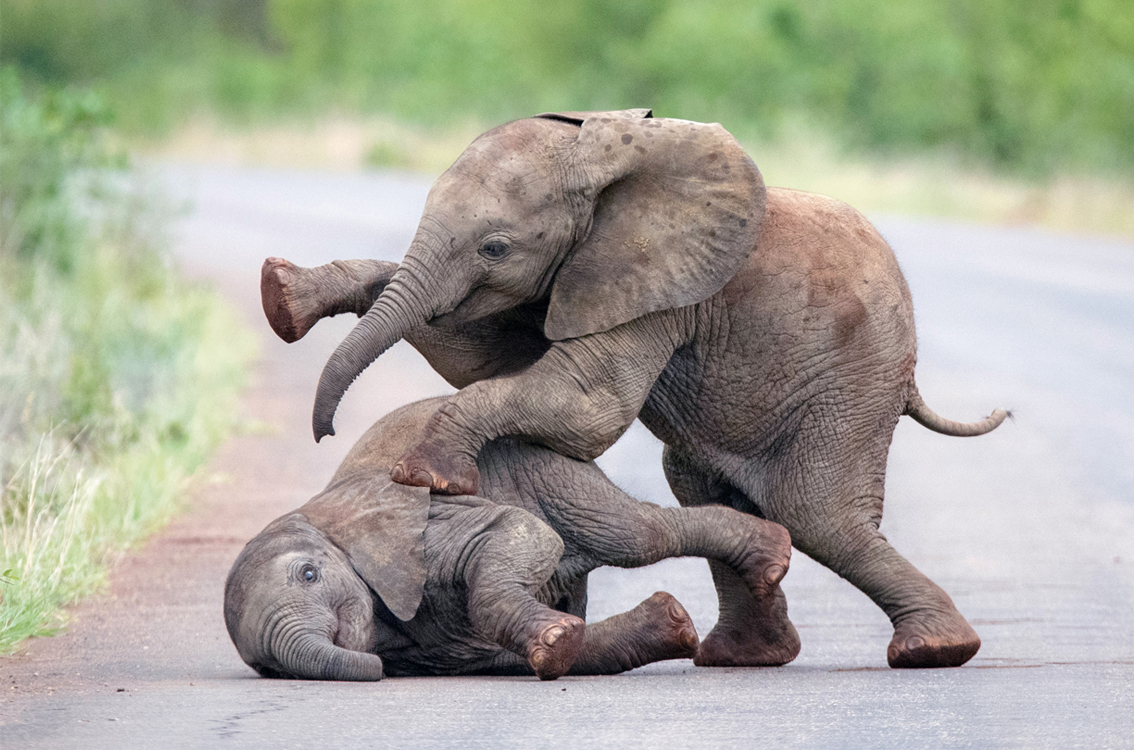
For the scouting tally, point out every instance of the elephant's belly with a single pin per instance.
(444, 641)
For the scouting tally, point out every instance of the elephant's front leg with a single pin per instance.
(507, 561)
(751, 631)
(577, 399)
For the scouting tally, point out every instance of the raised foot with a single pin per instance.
(445, 475)
(671, 626)
(552, 652)
(762, 637)
(290, 308)
(945, 640)
(767, 559)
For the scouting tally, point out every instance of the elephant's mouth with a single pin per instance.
(477, 305)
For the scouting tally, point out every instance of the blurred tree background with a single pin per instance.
(1026, 87)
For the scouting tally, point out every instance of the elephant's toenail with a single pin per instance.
(398, 473)
(282, 276)
(552, 634)
(774, 574)
(914, 642)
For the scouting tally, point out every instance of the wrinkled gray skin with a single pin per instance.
(579, 270)
(372, 577)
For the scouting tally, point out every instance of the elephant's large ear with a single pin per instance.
(678, 207)
(380, 525)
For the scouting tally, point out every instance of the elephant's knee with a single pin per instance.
(526, 539)
(589, 428)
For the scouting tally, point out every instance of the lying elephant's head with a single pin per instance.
(607, 216)
(301, 598)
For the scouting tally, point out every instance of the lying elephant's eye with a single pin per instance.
(309, 574)
(493, 250)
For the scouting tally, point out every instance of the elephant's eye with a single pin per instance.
(309, 574)
(494, 249)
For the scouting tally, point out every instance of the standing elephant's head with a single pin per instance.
(607, 216)
(301, 599)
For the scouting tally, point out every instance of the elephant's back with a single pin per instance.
(822, 281)
(388, 439)
(818, 253)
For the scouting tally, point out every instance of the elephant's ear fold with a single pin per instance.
(578, 118)
(380, 525)
(678, 207)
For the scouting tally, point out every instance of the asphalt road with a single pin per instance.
(1030, 529)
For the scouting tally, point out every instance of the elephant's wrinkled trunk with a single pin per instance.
(313, 656)
(398, 309)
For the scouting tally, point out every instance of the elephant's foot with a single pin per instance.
(667, 629)
(556, 647)
(426, 466)
(766, 559)
(291, 304)
(759, 634)
(657, 629)
(940, 640)
(729, 647)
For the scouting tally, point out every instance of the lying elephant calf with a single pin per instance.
(373, 577)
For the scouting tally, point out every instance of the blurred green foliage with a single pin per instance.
(44, 143)
(1037, 86)
(117, 377)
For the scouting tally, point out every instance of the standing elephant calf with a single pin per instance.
(372, 577)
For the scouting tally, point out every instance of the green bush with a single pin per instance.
(44, 143)
(116, 377)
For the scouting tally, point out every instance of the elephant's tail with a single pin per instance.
(926, 417)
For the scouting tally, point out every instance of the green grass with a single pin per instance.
(117, 377)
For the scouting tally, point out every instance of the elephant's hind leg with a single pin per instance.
(929, 631)
(833, 510)
(657, 629)
(750, 631)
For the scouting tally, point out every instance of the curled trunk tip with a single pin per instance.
(392, 315)
(315, 657)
